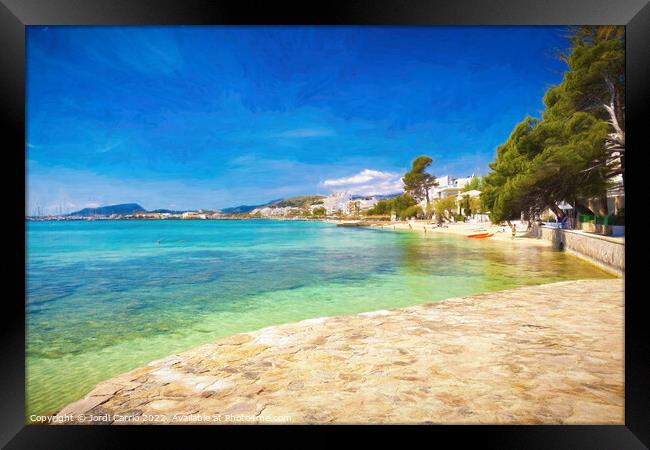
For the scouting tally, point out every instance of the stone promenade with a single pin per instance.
(547, 354)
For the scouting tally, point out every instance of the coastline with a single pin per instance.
(502, 234)
(523, 355)
(345, 270)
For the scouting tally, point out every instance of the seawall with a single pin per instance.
(603, 251)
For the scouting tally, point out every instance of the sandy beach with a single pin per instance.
(500, 233)
(549, 354)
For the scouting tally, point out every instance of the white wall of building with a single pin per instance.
(338, 201)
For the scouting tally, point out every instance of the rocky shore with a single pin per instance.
(545, 354)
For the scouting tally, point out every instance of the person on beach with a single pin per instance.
(514, 230)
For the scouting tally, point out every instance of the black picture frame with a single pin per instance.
(15, 15)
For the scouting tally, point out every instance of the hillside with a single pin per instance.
(297, 202)
(124, 208)
(246, 208)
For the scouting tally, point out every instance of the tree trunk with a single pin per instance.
(602, 200)
(623, 167)
(599, 205)
(582, 208)
(615, 142)
(557, 211)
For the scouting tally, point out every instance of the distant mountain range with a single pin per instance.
(130, 208)
(298, 201)
(245, 208)
(124, 208)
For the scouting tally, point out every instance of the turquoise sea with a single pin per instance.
(104, 297)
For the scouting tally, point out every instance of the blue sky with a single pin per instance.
(210, 117)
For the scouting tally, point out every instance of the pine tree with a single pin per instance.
(577, 146)
(417, 182)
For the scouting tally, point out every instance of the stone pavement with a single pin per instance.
(545, 354)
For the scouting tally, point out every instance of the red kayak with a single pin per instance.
(480, 235)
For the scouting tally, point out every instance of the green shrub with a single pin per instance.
(398, 204)
(613, 219)
(620, 217)
(411, 211)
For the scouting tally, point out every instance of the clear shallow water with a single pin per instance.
(104, 297)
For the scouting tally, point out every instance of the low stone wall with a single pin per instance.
(606, 252)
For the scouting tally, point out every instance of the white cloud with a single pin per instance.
(367, 182)
(364, 176)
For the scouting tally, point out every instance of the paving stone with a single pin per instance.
(510, 357)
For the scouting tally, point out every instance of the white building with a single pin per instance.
(194, 215)
(367, 203)
(448, 187)
(472, 193)
(616, 195)
(338, 201)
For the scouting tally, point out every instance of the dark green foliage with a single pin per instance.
(563, 155)
(620, 217)
(476, 184)
(445, 208)
(466, 205)
(417, 182)
(414, 211)
(397, 204)
(615, 219)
